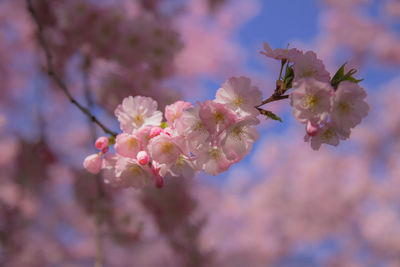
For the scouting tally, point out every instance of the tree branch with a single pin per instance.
(51, 72)
(99, 256)
(272, 99)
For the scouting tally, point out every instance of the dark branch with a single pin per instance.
(55, 77)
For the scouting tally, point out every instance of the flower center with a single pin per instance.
(237, 132)
(132, 143)
(219, 117)
(139, 119)
(309, 73)
(135, 170)
(344, 107)
(328, 134)
(167, 147)
(199, 127)
(180, 162)
(214, 153)
(310, 101)
(238, 101)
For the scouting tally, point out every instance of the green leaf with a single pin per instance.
(340, 76)
(289, 76)
(270, 115)
(164, 124)
(354, 80)
(111, 140)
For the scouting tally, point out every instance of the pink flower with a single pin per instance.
(108, 170)
(132, 173)
(328, 134)
(101, 142)
(311, 100)
(137, 112)
(164, 149)
(289, 54)
(127, 145)
(212, 159)
(216, 117)
(239, 137)
(349, 106)
(159, 169)
(308, 65)
(92, 163)
(240, 96)
(144, 136)
(174, 111)
(192, 127)
(183, 166)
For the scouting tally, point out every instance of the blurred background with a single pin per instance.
(284, 205)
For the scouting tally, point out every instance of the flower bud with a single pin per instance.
(92, 163)
(101, 142)
(159, 181)
(168, 131)
(311, 128)
(104, 150)
(143, 158)
(155, 131)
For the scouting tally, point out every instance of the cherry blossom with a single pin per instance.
(239, 96)
(311, 100)
(308, 65)
(174, 111)
(210, 137)
(133, 174)
(279, 53)
(183, 166)
(212, 159)
(92, 163)
(138, 112)
(127, 145)
(164, 149)
(330, 134)
(349, 106)
(239, 137)
(192, 127)
(216, 117)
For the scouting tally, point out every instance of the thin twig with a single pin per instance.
(56, 78)
(272, 99)
(99, 258)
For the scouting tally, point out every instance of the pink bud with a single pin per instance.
(155, 168)
(142, 157)
(155, 131)
(311, 128)
(101, 142)
(159, 181)
(168, 131)
(104, 150)
(92, 163)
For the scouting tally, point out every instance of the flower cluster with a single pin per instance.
(329, 107)
(210, 136)
(213, 135)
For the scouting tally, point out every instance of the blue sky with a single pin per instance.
(280, 22)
